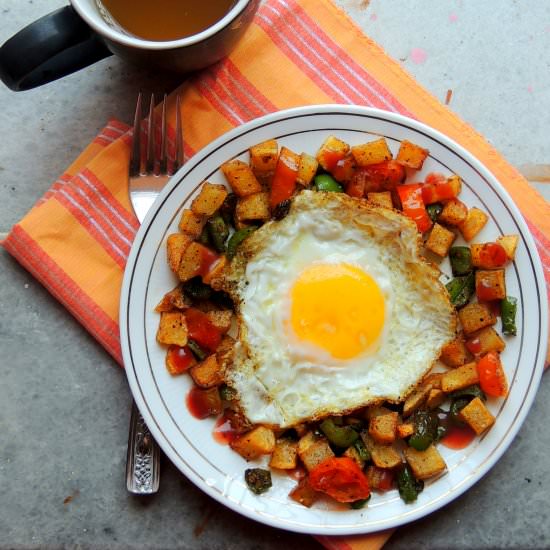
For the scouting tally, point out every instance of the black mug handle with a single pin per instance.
(55, 45)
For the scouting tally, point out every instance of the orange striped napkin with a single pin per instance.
(77, 238)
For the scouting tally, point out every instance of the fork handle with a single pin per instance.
(143, 459)
(55, 45)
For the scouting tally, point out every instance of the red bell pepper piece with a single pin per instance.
(283, 183)
(492, 378)
(410, 195)
(435, 178)
(201, 330)
(437, 192)
(341, 478)
(386, 175)
(344, 169)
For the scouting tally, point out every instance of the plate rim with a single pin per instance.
(314, 110)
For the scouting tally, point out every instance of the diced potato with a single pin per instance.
(477, 416)
(226, 344)
(241, 178)
(433, 379)
(440, 240)
(307, 168)
(473, 224)
(490, 284)
(331, 150)
(263, 157)
(221, 319)
(176, 243)
(454, 354)
(315, 453)
(456, 184)
(381, 198)
(215, 273)
(485, 340)
(191, 261)
(411, 155)
(475, 316)
(454, 212)
(285, 455)
(371, 153)
(405, 430)
(253, 207)
(172, 328)
(385, 456)
(425, 464)
(383, 428)
(509, 243)
(459, 378)
(175, 299)
(435, 398)
(304, 493)
(257, 442)
(353, 453)
(416, 399)
(209, 200)
(376, 410)
(306, 440)
(207, 373)
(191, 224)
(301, 429)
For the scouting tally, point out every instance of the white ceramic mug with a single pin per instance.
(76, 36)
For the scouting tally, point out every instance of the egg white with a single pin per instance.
(282, 380)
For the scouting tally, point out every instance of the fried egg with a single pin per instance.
(336, 309)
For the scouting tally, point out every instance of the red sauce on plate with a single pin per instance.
(223, 432)
(458, 437)
(297, 473)
(203, 403)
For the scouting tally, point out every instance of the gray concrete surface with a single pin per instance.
(64, 404)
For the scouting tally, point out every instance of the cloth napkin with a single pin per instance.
(77, 238)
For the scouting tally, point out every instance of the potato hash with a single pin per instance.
(392, 439)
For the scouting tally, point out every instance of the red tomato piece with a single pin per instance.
(283, 183)
(413, 205)
(492, 378)
(341, 478)
(201, 330)
(179, 359)
(492, 255)
(436, 193)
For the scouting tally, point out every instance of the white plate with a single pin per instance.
(161, 398)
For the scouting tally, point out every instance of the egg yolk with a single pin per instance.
(337, 307)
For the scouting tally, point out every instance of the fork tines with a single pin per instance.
(146, 156)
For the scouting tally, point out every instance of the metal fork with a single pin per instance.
(148, 174)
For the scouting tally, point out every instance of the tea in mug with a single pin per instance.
(163, 20)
